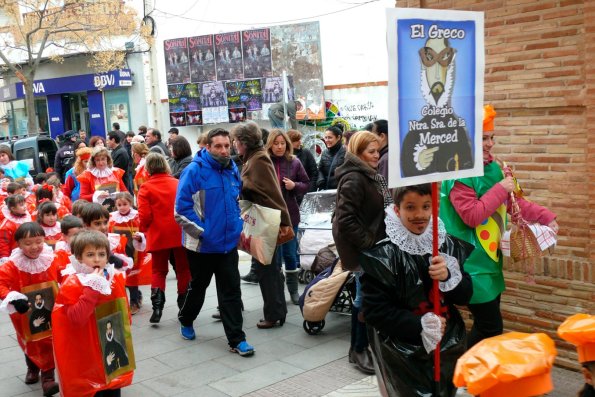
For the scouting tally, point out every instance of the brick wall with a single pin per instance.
(540, 76)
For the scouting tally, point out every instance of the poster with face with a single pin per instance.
(115, 338)
(37, 322)
(202, 58)
(256, 45)
(176, 96)
(436, 69)
(177, 61)
(296, 50)
(213, 94)
(118, 113)
(177, 119)
(237, 115)
(228, 57)
(244, 94)
(194, 118)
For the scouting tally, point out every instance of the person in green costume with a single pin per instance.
(474, 210)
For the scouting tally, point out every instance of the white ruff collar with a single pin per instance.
(97, 173)
(414, 244)
(62, 245)
(140, 165)
(52, 230)
(33, 266)
(119, 218)
(101, 284)
(16, 219)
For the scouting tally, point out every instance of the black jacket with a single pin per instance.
(64, 160)
(330, 160)
(159, 147)
(177, 166)
(358, 221)
(121, 160)
(307, 160)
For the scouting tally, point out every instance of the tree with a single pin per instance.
(52, 29)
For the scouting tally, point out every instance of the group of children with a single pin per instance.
(62, 275)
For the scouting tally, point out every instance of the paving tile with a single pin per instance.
(150, 368)
(202, 391)
(190, 378)
(195, 353)
(255, 378)
(13, 387)
(318, 355)
(264, 353)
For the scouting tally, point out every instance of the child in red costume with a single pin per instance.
(101, 179)
(86, 368)
(47, 192)
(125, 221)
(47, 217)
(12, 188)
(32, 269)
(69, 226)
(15, 216)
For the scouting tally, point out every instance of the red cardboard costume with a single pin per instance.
(22, 274)
(53, 234)
(77, 345)
(128, 225)
(140, 176)
(8, 227)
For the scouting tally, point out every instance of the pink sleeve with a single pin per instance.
(532, 212)
(472, 210)
(79, 313)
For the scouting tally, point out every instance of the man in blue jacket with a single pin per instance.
(207, 209)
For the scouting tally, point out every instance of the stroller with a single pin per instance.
(332, 290)
(314, 230)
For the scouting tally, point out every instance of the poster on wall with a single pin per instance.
(237, 115)
(194, 118)
(193, 101)
(202, 58)
(177, 119)
(257, 53)
(436, 71)
(176, 97)
(244, 94)
(296, 50)
(177, 63)
(117, 109)
(214, 103)
(229, 56)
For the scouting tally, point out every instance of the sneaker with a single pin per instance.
(251, 278)
(187, 332)
(216, 315)
(243, 349)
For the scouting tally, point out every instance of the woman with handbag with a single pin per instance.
(358, 224)
(474, 210)
(294, 182)
(260, 186)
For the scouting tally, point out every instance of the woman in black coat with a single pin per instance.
(332, 157)
(181, 156)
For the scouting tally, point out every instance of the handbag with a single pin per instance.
(286, 234)
(260, 231)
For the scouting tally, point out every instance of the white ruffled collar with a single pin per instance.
(414, 244)
(97, 173)
(140, 165)
(119, 218)
(62, 246)
(16, 219)
(101, 284)
(52, 230)
(33, 266)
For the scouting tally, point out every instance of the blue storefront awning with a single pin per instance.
(62, 85)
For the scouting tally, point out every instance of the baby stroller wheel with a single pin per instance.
(308, 276)
(301, 274)
(313, 327)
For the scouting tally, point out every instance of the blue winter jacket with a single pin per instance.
(207, 206)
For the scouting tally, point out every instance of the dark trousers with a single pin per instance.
(229, 294)
(359, 333)
(271, 284)
(487, 321)
(109, 393)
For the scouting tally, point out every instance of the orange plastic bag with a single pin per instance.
(512, 365)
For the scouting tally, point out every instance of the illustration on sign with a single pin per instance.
(436, 95)
(244, 94)
(257, 53)
(177, 68)
(229, 56)
(202, 58)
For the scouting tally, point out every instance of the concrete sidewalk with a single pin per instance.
(288, 362)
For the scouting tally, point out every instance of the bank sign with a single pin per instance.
(62, 85)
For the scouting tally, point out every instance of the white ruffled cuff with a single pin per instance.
(95, 282)
(142, 246)
(128, 261)
(4, 260)
(96, 196)
(431, 333)
(455, 274)
(6, 306)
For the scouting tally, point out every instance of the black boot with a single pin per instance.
(49, 386)
(158, 300)
(251, 277)
(291, 280)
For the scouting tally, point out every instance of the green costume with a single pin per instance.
(485, 262)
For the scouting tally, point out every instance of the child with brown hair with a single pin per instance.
(125, 221)
(15, 216)
(47, 217)
(46, 192)
(32, 268)
(88, 367)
